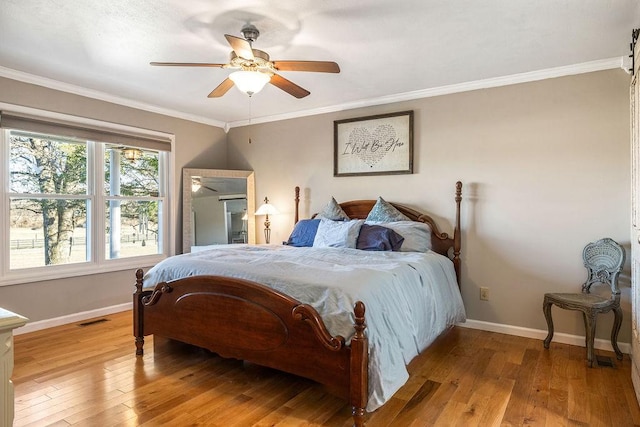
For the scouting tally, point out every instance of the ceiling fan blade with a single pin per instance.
(241, 47)
(186, 64)
(210, 189)
(316, 66)
(221, 89)
(288, 86)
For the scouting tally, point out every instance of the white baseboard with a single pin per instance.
(542, 334)
(470, 323)
(71, 318)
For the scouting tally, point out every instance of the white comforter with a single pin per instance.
(410, 297)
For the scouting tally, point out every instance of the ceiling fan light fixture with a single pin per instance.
(132, 154)
(250, 82)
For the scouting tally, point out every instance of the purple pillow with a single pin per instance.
(378, 238)
(304, 233)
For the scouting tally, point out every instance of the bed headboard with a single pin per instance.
(442, 243)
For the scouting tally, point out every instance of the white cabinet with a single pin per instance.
(8, 322)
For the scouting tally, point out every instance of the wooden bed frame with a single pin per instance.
(249, 321)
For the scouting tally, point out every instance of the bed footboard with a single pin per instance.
(245, 320)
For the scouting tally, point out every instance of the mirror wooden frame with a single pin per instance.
(189, 173)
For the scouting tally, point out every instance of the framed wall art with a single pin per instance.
(374, 145)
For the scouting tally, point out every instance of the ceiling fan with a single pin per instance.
(197, 185)
(255, 69)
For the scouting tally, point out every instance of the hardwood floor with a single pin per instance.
(90, 376)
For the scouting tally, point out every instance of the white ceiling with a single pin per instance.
(387, 50)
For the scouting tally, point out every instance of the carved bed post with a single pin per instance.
(297, 200)
(138, 322)
(359, 367)
(456, 233)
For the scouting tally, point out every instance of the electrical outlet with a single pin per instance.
(484, 294)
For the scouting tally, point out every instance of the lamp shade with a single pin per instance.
(267, 209)
(250, 82)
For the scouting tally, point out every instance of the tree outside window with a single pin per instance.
(51, 178)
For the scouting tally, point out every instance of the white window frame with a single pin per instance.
(96, 238)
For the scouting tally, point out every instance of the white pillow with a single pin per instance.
(417, 235)
(337, 234)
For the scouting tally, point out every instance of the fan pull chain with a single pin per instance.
(250, 120)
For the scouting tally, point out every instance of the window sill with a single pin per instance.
(76, 270)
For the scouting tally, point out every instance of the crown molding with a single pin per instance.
(102, 96)
(532, 76)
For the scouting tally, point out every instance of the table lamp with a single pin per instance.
(267, 209)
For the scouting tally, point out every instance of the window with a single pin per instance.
(48, 200)
(80, 198)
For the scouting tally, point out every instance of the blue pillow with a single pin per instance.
(378, 238)
(304, 233)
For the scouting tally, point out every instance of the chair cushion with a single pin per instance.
(581, 299)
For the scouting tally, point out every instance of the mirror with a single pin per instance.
(217, 207)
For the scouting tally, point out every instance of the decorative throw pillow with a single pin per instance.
(378, 238)
(417, 235)
(337, 234)
(384, 211)
(332, 211)
(304, 233)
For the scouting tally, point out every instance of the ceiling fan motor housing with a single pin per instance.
(250, 33)
(260, 59)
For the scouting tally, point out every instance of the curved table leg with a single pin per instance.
(546, 308)
(614, 332)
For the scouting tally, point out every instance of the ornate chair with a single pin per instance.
(604, 260)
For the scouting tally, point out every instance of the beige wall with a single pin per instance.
(197, 146)
(546, 170)
(545, 167)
